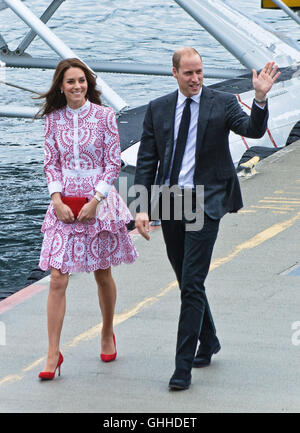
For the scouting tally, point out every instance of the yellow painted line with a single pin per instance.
(11, 378)
(296, 191)
(122, 317)
(94, 331)
(119, 318)
(279, 199)
(34, 364)
(293, 202)
(256, 240)
(247, 211)
(251, 243)
(274, 207)
(16, 377)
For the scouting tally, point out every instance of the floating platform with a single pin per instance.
(254, 297)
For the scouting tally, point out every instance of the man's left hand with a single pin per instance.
(263, 82)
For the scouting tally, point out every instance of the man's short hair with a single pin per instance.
(178, 53)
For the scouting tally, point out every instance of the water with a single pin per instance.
(135, 30)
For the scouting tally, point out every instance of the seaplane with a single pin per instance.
(249, 40)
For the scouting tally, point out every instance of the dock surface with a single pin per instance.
(254, 292)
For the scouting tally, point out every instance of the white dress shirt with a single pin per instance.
(185, 179)
(186, 175)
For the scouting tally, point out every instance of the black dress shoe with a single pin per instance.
(203, 359)
(180, 380)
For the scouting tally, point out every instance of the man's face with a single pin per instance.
(189, 75)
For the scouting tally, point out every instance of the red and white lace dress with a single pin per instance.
(82, 156)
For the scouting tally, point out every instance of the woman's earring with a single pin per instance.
(61, 91)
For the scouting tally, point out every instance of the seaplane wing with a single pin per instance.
(284, 119)
(252, 42)
(284, 108)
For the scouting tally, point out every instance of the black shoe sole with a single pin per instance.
(200, 365)
(207, 363)
(178, 387)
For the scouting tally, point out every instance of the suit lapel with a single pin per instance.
(206, 103)
(169, 113)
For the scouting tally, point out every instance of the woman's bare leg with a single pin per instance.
(107, 294)
(56, 308)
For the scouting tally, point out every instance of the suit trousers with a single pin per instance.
(190, 253)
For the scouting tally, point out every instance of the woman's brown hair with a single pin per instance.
(55, 99)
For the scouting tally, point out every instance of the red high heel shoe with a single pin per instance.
(112, 357)
(48, 375)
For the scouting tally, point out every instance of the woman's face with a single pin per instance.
(74, 86)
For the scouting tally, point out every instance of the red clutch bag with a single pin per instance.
(75, 204)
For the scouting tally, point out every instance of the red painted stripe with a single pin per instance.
(243, 103)
(245, 142)
(268, 131)
(271, 138)
(21, 296)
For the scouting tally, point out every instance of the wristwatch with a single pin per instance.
(97, 197)
(260, 102)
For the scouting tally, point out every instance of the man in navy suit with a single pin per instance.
(185, 143)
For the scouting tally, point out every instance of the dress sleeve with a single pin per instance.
(52, 165)
(112, 154)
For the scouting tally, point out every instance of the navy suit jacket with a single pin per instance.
(219, 113)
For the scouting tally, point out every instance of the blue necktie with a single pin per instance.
(181, 142)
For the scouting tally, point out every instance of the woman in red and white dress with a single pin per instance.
(82, 159)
